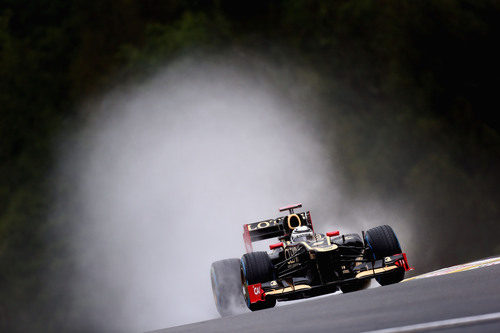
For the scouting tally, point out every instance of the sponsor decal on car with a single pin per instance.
(261, 225)
(255, 293)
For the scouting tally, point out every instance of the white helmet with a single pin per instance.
(301, 234)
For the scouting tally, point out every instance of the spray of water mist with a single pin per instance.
(166, 173)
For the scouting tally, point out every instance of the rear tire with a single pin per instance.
(256, 267)
(226, 286)
(353, 240)
(348, 239)
(383, 242)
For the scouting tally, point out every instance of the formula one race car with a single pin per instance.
(304, 263)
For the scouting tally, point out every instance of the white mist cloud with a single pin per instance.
(167, 172)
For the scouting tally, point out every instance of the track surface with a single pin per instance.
(462, 294)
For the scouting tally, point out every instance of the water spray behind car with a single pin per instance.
(165, 173)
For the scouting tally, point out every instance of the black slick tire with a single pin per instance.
(256, 267)
(383, 242)
(226, 287)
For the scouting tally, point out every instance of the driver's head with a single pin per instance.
(301, 234)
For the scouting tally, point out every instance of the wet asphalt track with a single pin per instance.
(470, 293)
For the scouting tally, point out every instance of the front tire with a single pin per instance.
(383, 242)
(256, 267)
(226, 287)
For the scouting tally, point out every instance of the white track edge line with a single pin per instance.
(441, 324)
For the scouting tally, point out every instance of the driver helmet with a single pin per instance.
(301, 234)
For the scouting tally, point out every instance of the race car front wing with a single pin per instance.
(260, 291)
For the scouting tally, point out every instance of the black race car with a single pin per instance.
(304, 263)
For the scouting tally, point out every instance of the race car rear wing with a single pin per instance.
(280, 227)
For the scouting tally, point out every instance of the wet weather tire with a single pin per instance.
(256, 267)
(383, 242)
(226, 287)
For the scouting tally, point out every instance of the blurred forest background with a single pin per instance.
(417, 83)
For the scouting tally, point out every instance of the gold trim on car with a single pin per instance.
(320, 249)
(288, 289)
(375, 271)
(289, 218)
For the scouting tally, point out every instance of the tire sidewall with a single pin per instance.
(226, 286)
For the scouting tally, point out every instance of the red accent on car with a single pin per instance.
(290, 207)
(333, 233)
(247, 239)
(275, 246)
(255, 293)
(403, 263)
(407, 266)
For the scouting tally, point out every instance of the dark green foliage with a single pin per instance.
(410, 92)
